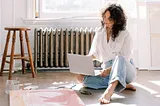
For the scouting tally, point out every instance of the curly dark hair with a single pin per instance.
(119, 18)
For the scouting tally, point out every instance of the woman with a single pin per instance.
(112, 45)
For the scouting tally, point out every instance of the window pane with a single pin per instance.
(71, 5)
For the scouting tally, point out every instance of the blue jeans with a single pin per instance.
(122, 70)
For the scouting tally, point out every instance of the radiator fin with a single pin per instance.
(52, 45)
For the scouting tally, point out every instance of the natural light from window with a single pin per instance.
(70, 8)
(64, 9)
(50, 6)
(155, 82)
(151, 91)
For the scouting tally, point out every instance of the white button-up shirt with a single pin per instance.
(105, 51)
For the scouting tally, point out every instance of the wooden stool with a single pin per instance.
(17, 56)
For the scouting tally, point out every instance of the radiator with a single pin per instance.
(52, 45)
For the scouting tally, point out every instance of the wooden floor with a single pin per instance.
(147, 84)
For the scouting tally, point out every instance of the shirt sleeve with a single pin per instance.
(127, 47)
(94, 47)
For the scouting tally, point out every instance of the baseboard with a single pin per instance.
(7, 71)
(154, 68)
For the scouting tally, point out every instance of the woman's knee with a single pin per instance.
(119, 57)
(120, 60)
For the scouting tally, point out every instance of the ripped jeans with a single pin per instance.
(122, 70)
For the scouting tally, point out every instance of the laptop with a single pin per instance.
(81, 64)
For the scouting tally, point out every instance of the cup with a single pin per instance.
(15, 84)
(9, 86)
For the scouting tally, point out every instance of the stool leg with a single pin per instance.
(22, 51)
(5, 53)
(30, 54)
(12, 56)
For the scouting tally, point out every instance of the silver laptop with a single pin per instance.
(81, 64)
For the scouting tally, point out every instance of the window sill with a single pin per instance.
(49, 21)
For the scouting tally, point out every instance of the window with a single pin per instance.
(64, 9)
(69, 8)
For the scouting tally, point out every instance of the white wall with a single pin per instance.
(132, 27)
(7, 19)
(15, 13)
(11, 11)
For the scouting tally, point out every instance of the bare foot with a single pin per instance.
(130, 87)
(105, 98)
(80, 78)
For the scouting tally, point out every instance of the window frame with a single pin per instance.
(30, 11)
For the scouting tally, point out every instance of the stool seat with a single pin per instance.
(16, 28)
(17, 56)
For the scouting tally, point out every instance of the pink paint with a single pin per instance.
(60, 97)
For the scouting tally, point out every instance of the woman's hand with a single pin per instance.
(93, 57)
